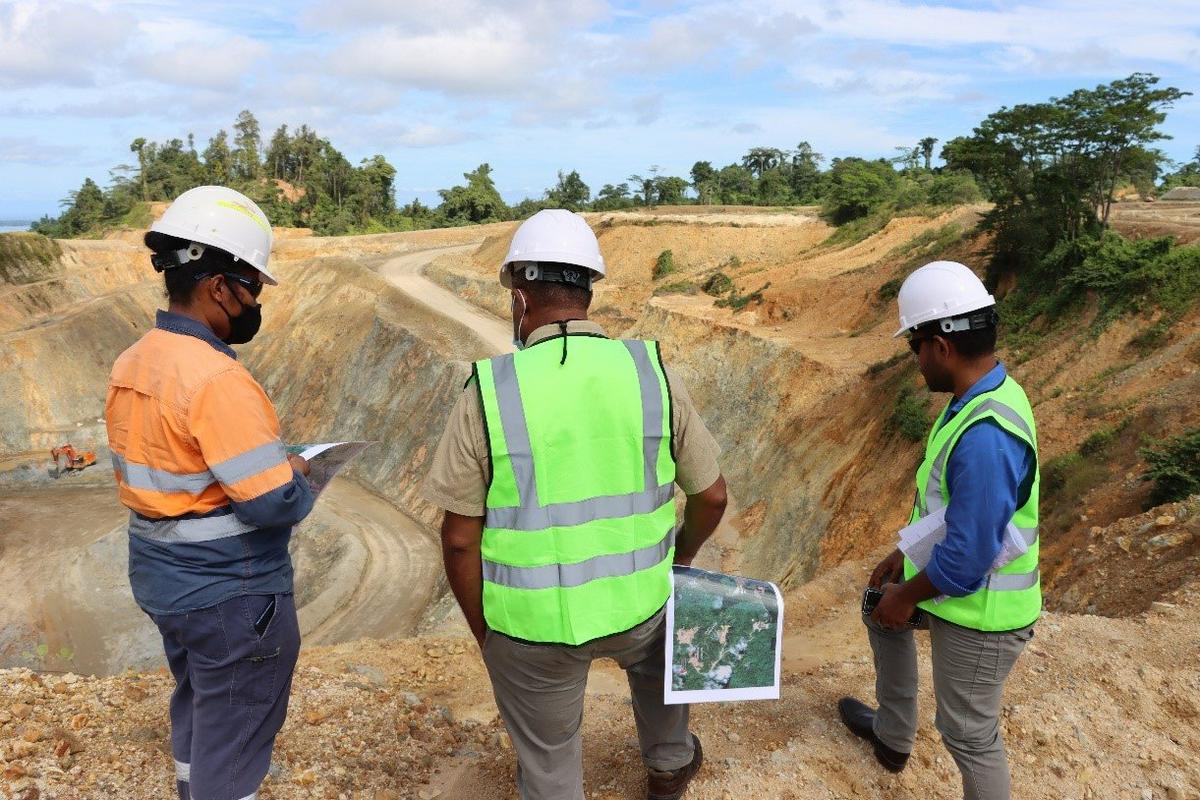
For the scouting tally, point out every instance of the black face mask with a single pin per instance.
(245, 325)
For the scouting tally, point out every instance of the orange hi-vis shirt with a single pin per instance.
(198, 460)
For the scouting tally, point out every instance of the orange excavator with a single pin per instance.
(67, 458)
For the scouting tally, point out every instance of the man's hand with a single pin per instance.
(895, 608)
(298, 464)
(890, 570)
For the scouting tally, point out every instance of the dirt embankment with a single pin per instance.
(1091, 711)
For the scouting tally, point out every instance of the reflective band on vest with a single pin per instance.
(188, 529)
(1011, 597)
(580, 518)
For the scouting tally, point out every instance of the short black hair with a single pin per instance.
(968, 344)
(554, 293)
(180, 282)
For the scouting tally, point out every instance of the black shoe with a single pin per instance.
(860, 719)
(671, 785)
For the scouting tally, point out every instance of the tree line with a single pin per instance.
(1051, 170)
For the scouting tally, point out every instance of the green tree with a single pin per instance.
(1186, 174)
(139, 146)
(570, 192)
(856, 188)
(760, 159)
(805, 173)
(610, 197)
(926, 146)
(476, 202)
(218, 161)
(279, 154)
(1051, 168)
(669, 189)
(247, 140)
(704, 181)
(735, 185)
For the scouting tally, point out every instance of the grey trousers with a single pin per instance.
(969, 670)
(539, 690)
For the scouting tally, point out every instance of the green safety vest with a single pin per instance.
(1011, 597)
(579, 532)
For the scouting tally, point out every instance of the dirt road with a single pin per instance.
(398, 567)
(406, 273)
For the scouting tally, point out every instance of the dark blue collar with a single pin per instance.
(987, 383)
(177, 323)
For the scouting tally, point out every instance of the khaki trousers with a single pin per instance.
(540, 688)
(969, 671)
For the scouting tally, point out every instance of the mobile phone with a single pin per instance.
(264, 619)
(872, 596)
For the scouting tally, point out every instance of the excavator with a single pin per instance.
(67, 458)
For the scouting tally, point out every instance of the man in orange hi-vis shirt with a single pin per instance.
(213, 495)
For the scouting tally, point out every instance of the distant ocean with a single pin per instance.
(13, 225)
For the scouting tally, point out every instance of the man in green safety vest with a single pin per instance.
(557, 471)
(977, 494)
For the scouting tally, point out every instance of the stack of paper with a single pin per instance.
(918, 540)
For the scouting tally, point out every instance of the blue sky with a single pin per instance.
(532, 86)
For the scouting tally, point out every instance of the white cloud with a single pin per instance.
(430, 136)
(28, 150)
(47, 43)
(183, 52)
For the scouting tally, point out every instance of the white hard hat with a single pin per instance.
(558, 235)
(940, 290)
(217, 216)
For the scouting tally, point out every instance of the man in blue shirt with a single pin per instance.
(980, 471)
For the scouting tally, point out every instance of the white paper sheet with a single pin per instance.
(327, 460)
(918, 540)
(724, 638)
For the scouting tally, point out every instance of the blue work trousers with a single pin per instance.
(233, 665)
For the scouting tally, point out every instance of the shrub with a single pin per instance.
(909, 417)
(718, 284)
(678, 287)
(856, 188)
(891, 289)
(952, 189)
(664, 265)
(1174, 467)
(738, 301)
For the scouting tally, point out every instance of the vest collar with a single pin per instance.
(186, 326)
(582, 327)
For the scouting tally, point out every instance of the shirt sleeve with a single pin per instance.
(458, 477)
(988, 473)
(696, 451)
(235, 427)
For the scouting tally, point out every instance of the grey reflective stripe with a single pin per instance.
(652, 409)
(530, 515)
(516, 431)
(183, 772)
(565, 576)
(933, 486)
(1028, 535)
(1013, 583)
(140, 476)
(538, 518)
(250, 463)
(199, 529)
